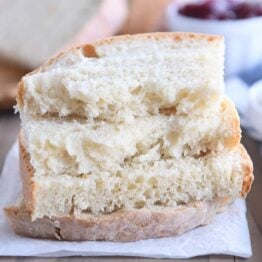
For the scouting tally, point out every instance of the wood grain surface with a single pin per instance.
(9, 128)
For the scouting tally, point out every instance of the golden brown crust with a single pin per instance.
(26, 173)
(121, 226)
(20, 93)
(229, 110)
(175, 36)
(247, 166)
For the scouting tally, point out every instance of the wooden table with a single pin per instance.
(9, 127)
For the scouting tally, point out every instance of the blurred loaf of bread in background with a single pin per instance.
(31, 32)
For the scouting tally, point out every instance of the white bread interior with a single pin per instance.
(80, 147)
(151, 184)
(130, 123)
(125, 77)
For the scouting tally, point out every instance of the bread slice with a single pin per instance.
(151, 184)
(122, 226)
(124, 77)
(75, 147)
(129, 138)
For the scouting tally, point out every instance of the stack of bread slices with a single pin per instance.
(128, 138)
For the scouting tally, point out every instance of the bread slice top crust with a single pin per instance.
(124, 77)
(179, 40)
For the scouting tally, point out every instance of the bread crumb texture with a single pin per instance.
(127, 77)
(131, 122)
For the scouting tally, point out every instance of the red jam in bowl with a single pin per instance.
(221, 9)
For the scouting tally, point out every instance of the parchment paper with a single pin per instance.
(228, 234)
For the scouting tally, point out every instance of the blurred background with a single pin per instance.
(33, 31)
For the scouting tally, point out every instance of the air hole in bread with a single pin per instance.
(131, 186)
(168, 111)
(86, 211)
(111, 107)
(118, 174)
(140, 204)
(72, 209)
(152, 98)
(139, 180)
(202, 153)
(58, 233)
(147, 194)
(153, 182)
(137, 91)
(158, 203)
(116, 189)
(99, 185)
(172, 137)
(101, 103)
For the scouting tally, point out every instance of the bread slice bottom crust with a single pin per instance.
(120, 226)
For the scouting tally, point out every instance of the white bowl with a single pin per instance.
(243, 37)
(254, 111)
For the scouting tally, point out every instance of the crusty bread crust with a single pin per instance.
(89, 49)
(248, 171)
(121, 226)
(233, 124)
(26, 174)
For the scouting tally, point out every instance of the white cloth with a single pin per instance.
(228, 234)
(248, 101)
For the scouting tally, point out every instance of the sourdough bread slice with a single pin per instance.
(122, 226)
(153, 184)
(72, 147)
(132, 127)
(124, 77)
